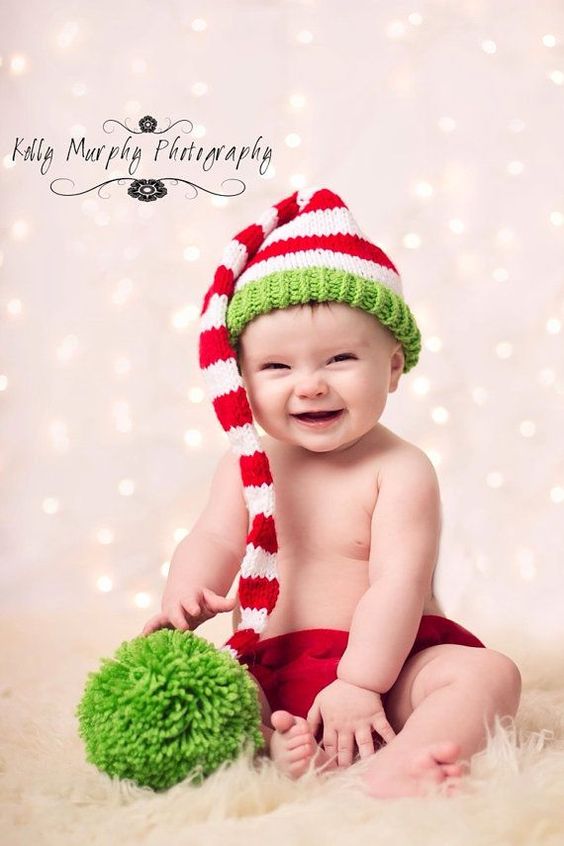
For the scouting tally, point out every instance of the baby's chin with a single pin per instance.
(307, 445)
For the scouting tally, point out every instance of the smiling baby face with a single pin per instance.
(315, 358)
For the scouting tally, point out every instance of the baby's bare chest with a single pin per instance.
(324, 511)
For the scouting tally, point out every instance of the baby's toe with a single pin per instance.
(300, 732)
(452, 770)
(426, 767)
(437, 755)
(299, 729)
(283, 721)
(446, 752)
(303, 741)
(301, 751)
(298, 760)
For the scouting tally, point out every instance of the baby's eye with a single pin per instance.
(273, 364)
(343, 356)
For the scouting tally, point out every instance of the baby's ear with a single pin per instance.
(240, 366)
(397, 363)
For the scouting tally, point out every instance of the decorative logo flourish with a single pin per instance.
(147, 124)
(147, 189)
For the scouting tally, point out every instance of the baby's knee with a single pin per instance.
(501, 676)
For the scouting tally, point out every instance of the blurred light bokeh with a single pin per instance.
(441, 125)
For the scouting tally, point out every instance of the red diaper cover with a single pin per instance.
(292, 668)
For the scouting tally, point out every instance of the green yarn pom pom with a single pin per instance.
(168, 705)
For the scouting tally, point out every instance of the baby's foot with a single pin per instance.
(404, 772)
(293, 746)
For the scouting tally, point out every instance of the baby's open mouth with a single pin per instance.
(318, 415)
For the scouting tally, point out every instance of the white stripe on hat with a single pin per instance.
(222, 377)
(364, 268)
(253, 618)
(259, 499)
(338, 221)
(268, 220)
(214, 315)
(258, 563)
(245, 439)
(235, 257)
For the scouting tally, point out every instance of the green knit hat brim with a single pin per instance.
(321, 284)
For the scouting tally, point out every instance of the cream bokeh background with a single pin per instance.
(440, 125)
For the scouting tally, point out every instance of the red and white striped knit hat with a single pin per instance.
(305, 248)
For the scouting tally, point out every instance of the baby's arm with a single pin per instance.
(205, 562)
(405, 536)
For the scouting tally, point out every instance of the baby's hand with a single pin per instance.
(189, 610)
(349, 714)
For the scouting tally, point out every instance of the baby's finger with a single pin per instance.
(383, 728)
(330, 741)
(345, 743)
(313, 718)
(149, 626)
(194, 610)
(154, 624)
(215, 602)
(365, 742)
(178, 620)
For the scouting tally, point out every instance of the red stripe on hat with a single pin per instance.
(258, 592)
(242, 641)
(233, 409)
(255, 469)
(263, 533)
(223, 283)
(323, 199)
(214, 345)
(287, 209)
(251, 237)
(351, 245)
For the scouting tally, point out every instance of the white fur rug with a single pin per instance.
(50, 795)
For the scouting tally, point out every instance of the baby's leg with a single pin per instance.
(289, 740)
(440, 705)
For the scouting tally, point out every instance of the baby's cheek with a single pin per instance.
(258, 410)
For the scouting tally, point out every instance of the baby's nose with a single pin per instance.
(311, 385)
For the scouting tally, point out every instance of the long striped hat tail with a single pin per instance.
(258, 583)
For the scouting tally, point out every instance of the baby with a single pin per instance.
(353, 656)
